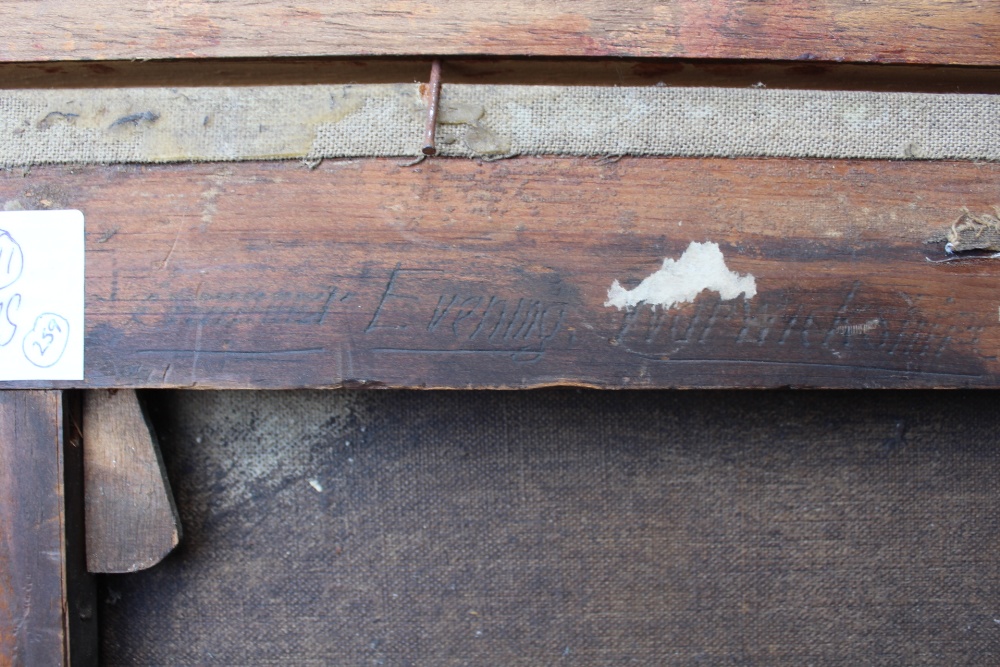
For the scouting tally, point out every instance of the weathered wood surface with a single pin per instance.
(131, 520)
(461, 274)
(40, 607)
(918, 31)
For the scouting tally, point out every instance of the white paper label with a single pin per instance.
(41, 295)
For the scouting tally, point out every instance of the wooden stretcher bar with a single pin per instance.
(463, 274)
(910, 31)
(48, 612)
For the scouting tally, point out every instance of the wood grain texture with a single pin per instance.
(38, 610)
(461, 274)
(916, 31)
(132, 522)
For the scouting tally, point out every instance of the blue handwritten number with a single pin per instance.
(9, 306)
(11, 260)
(45, 343)
(48, 337)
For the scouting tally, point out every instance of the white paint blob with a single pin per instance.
(701, 267)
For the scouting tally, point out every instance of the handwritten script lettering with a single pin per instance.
(222, 309)
(432, 319)
(777, 324)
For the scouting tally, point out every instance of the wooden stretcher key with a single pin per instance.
(131, 519)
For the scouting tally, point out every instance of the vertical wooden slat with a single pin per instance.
(38, 614)
(81, 589)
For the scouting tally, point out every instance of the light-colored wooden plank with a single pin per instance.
(915, 31)
(131, 523)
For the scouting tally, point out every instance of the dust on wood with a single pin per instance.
(975, 232)
(971, 237)
(132, 522)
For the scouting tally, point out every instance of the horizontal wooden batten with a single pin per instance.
(914, 31)
(456, 273)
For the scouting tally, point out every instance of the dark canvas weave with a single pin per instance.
(572, 527)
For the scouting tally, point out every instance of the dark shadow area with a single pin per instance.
(571, 527)
(534, 70)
